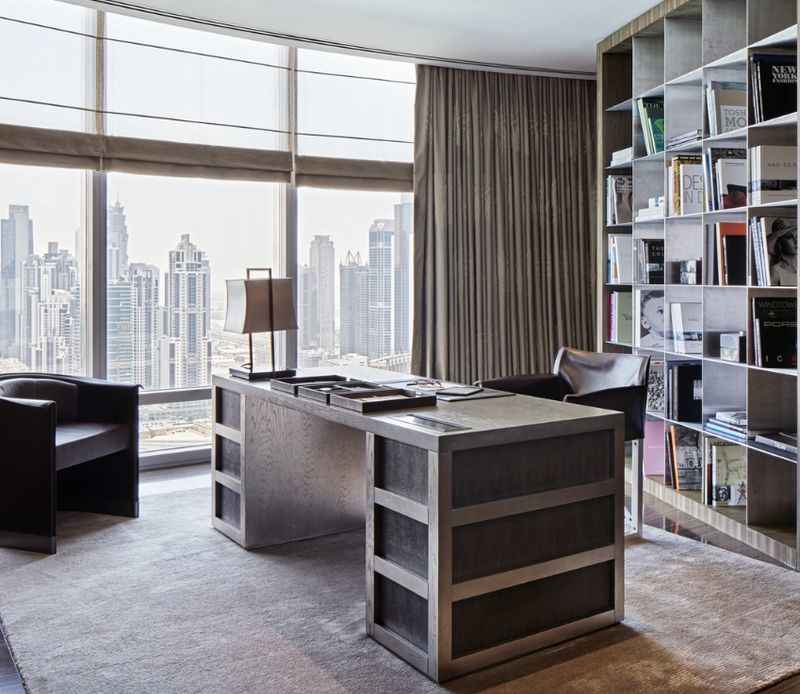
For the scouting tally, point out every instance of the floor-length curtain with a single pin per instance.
(503, 222)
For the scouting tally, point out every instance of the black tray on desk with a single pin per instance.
(320, 392)
(291, 384)
(381, 399)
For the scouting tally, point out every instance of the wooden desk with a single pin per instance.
(482, 544)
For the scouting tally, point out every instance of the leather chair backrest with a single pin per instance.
(588, 372)
(64, 394)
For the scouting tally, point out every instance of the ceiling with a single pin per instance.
(549, 34)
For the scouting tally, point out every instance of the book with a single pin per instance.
(731, 191)
(685, 185)
(651, 261)
(620, 258)
(622, 156)
(619, 199)
(774, 84)
(729, 475)
(686, 458)
(731, 252)
(735, 417)
(655, 386)
(621, 317)
(774, 242)
(775, 331)
(687, 327)
(773, 174)
(685, 391)
(726, 103)
(650, 319)
(651, 120)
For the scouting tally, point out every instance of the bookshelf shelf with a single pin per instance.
(627, 166)
(674, 53)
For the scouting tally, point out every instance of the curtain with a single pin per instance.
(504, 182)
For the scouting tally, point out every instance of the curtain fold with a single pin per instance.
(504, 270)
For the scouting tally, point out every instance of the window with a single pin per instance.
(49, 65)
(41, 265)
(171, 244)
(210, 89)
(355, 287)
(353, 107)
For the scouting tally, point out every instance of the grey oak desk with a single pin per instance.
(481, 545)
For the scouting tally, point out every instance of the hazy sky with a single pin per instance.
(232, 221)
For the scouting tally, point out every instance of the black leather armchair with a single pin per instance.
(610, 381)
(66, 443)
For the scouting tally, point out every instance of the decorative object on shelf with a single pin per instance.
(733, 346)
(773, 80)
(260, 306)
(774, 241)
(687, 327)
(687, 272)
(728, 474)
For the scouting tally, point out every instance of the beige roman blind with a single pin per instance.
(353, 174)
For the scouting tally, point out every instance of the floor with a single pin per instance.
(657, 514)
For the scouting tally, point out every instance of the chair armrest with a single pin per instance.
(549, 386)
(630, 400)
(27, 472)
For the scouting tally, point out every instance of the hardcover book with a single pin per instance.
(773, 174)
(774, 80)
(775, 331)
(687, 459)
(727, 106)
(655, 387)
(652, 329)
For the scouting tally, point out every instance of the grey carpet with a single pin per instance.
(164, 604)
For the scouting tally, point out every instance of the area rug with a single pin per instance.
(165, 604)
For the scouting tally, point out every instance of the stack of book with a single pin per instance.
(773, 174)
(782, 441)
(775, 332)
(654, 210)
(651, 119)
(732, 425)
(685, 183)
(620, 317)
(620, 259)
(726, 250)
(725, 478)
(725, 175)
(684, 465)
(684, 391)
(651, 261)
(773, 84)
(622, 157)
(726, 103)
(687, 327)
(619, 200)
(677, 141)
(774, 250)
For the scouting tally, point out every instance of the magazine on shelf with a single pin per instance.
(620, 317)
(620, 258)
(619, 199)
(779, 440)
(651, 120)
(728, 474)
(773, 79)
(725, 185)
(687, 458)
(773, 174)
(650, 319)
(775, 331)
(774, 244)
(726, 103)
(651, 261)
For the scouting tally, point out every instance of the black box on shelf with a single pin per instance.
(686, 272)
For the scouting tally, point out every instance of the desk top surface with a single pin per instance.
(489, 421)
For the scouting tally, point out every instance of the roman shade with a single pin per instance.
(354, 174)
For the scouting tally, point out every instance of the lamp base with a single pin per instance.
(248, 375)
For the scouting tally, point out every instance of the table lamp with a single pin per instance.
(260, 306)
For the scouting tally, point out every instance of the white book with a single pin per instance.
(731, 177)
(773, 174)
(621, 249)
(691, 193)
(687, 327)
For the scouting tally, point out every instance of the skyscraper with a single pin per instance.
(16, 244)
(354, 305)
(381, 289)
(403, 224)
(119, 331)
(186, 347)
(322, 262)
(117, 242)
(145, 323)
(309, 308)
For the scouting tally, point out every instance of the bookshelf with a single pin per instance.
(672, 53)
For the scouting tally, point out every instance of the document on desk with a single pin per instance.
(433, 387)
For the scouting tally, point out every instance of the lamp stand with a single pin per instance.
(246, 371)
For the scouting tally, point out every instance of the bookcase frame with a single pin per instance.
(671, 50)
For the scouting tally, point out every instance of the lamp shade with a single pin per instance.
(248, 306)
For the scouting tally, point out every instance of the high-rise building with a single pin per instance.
(185, 352)
(381, 289)
(322, 262)
(119, 331)
(403, 224)
(116, 243)
(308, 337)
(354, 305)
(145, 323)
(16, 244)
